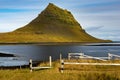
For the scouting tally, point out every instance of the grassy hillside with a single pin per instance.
(36, 38)
(52, 25)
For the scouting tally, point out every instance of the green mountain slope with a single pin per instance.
(52, 25)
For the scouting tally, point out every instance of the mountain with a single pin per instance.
(52, 25)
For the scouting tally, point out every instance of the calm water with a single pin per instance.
(41, 53)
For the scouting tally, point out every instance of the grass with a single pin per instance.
(48, 36)
(84, 73)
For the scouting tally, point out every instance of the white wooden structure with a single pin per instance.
(45, 67)
(113, 55)
(76, 63)
(81, 55)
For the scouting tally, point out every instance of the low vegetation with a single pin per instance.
(73, 73)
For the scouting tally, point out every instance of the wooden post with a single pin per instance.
(30, 64)
(60, 57)
(69, 56)
(20, 67)
(62, 66)
(50, 60)
(109, 56)
(81, 55)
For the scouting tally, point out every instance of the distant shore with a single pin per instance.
(61, 43)
(67, 43)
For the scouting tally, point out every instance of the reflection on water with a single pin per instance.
(41, 53)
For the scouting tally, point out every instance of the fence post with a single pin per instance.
(62, 66)
(50, 60)
(69, 56)
(109, 56)
(81, 55)
(60, 57)
(30, 64)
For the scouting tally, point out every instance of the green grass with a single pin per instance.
(48, 36)
(80, 73)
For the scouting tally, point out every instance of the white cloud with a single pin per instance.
(94, 28)
(15, 20)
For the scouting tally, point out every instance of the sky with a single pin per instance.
(100, 18)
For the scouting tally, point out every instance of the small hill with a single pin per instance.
(52, 25)
(6, 55)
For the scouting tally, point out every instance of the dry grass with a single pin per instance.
(83, 73)
(47, 37)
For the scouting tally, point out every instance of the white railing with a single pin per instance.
(76, 63)
(82, 55)
(41, 67)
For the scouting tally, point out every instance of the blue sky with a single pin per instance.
(100, 18)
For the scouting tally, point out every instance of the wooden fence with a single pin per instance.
(82, 55)
(43, 67)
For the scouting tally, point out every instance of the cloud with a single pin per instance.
(94, 28)
(11, 22)
(105, 33)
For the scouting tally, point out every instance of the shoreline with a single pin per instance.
(61, 43)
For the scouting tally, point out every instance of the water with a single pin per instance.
(42, 52)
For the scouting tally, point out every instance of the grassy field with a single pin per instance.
(73, 73)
